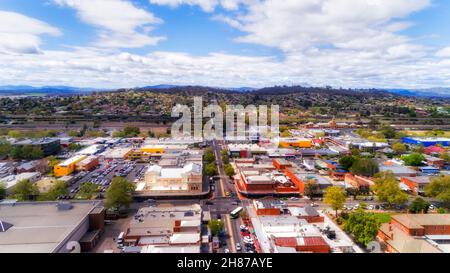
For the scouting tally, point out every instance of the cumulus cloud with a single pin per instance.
(120, 23)
(445, 52)
(206, 5)
(20, 34)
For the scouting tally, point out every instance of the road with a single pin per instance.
(223, 205)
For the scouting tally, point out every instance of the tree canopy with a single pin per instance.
(388, 190)
(365, 167)
(364, 226)
(87, 190)
(419, 205)
(119, 193)
(216, 226)
(25, 190)
(335, 197)
(346, 162)
(439, 188)
(414, 159)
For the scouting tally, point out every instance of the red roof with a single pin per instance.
(433, 149)
(314, 241)
(286, 242)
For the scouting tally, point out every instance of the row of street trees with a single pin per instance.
(118, 195)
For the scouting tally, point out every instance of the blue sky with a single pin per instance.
(122, 43)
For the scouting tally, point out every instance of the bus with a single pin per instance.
(235, 213)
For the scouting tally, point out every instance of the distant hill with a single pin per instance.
(16, 90)
(439, 92)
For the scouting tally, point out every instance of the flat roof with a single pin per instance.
(72, 160)
(39, 226)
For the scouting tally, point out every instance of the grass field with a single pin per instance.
(425, 133)
(383, 217)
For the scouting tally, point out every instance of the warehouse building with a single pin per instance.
(68, 166)
(427, 141)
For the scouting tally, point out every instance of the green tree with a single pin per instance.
(209, 155)
(388, 190)
(365, 167)
(215, 226)
(87, 190)
(2, 190)
(399, 148)
(229, 170)
(211, 169)
(58, 189)
(74, 147)
(5, 148)
(388, 131)
(347, 162)
(311, 189)
(419, 206)
(439, 188)
(119, 193)
(131, 131)
(25, 190)
(335, 197)
(445, 156)
(363, 226)
(150, 134)
(414, 159)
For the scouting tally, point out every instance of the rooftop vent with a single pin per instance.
(62, 206)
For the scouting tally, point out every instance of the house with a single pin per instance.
(429, 170)
(361, 183)
(434, 161)
(398, 170)
(433, 150)
(416, 184)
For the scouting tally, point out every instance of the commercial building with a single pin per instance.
(427, 141)
(88, 163)
(68, 166)
(262, 180)
(296, 142)
(48, 227)
(296, 229)
(49, 146)
(92, 150)
(416, 233)
(301, 178)
(166, 229)
(175, 174)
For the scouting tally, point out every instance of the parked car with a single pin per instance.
(238, 247)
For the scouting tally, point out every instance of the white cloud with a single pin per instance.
(445, 52)
(20, 34)
(120, 23)
(206, 5)
(349, 24)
